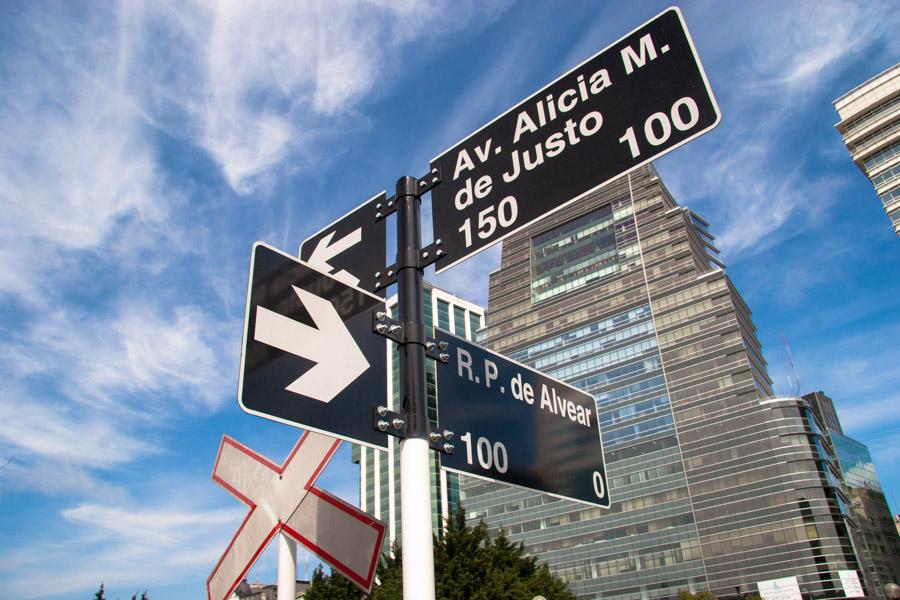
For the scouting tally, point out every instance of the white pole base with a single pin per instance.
(415, 518)
(287, 567)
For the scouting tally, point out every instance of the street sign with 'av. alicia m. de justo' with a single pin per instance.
(638, 99)
(310, 357)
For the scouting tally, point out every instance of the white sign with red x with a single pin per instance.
(283, 498)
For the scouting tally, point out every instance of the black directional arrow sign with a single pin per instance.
(352, 249)
(640, 98)
(310, 356)
(514, 424)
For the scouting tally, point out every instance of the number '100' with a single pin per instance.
(489, 455)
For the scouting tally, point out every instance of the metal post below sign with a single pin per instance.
(415, 487)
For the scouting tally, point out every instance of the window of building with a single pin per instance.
(459, 321)
(443, 311)
(891, 196)
(474, 322)
(883, 156)
(876, 113)
(573, 255)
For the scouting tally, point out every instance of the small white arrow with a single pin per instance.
(339, 361)
(325, 251)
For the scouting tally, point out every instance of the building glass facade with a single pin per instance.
(876, 539)
(379, 470)
(870, 126)
(715, 484)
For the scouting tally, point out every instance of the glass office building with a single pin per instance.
(870, 126)
(716, 485)
(379, 471)
(877, 542)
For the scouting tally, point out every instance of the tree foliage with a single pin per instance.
(331, 587)
(468, 565)
(100, 595)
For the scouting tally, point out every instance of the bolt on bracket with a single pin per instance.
(382, 324)
(388, 421)
(385, 206)
(429, 180)
(385, 277)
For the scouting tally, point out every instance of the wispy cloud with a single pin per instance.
(138, 350)
(861, 416)
(74, 163)
(258, 84)
(61, 434)
(130, 545)
(93, 390)
(756, 187)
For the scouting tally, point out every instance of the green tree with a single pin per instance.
(331, 587)
(100, 595)
(468, 565)
(144, 596)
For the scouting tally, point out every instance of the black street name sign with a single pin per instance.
(640, 98)
(352, 249)
(516, 425)
(310, 357)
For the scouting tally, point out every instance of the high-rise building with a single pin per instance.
(715, 483)
(379, 471)
(870, 126)
(877, 542)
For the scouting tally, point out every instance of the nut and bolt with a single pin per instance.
(448, 435)
(448, 448)
(444, 357)
(383, 425)
(442, 345)
(382, 410)
(381, 328)
(398, 423)
(434, 436)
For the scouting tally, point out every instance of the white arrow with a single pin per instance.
(339, 360)
(325, 251)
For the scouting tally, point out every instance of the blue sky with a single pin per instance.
(147, 145)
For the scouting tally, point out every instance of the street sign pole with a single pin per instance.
(415, 485)
(287, 567)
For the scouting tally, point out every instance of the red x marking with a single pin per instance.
(283, 498)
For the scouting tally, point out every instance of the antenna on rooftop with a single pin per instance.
(791, 369)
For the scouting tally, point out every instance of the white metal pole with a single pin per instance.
(287, 567)
(415, 519)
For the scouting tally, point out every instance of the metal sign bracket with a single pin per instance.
(390, 328)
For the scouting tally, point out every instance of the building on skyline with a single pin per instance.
(870, 126)
(877, 542)
(379, 471)
(715, 483)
